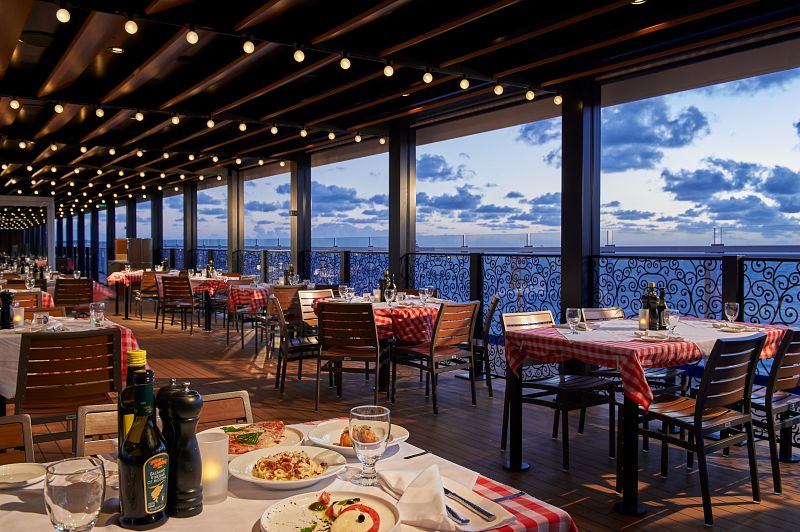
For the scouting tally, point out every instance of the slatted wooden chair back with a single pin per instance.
(28, 299)
(73, 292)
(227, 407)
(53, 312)
(785, 372)
(175, 288)
(60, 372)
(149, 285)
(602, 314)
(231, 275)
(487, 324)
(728, 374)
(519, 321)
(96, 429)
(347, 325)
(307, 298)
(20, 283)
(455, 324)
(247, 279)
(289, 301)
(16, 439)
(274, 309)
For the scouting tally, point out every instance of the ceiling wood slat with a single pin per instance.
(46, 153)
(376, 12)
(58, 120)
(152, 131)
(13, 13)
(120, 117)
(157, 6)
(199, 133)
(267, 11)
(92, 38)
(91, 152)
(322, 63)
(237, 138)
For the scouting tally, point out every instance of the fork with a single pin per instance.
(455, 516)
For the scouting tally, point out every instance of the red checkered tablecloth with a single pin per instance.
(531, 513)
(256, 299)
(407, 324)
(47, 300)
(133, 276)
(202, 284)
(101, 292)
(630, 357)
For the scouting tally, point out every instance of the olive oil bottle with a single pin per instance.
(137, 362)
(143, 467)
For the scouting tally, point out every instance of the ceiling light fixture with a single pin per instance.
(163, 175)
(530, 95)
(182, 176)
(261, 162)
(139, 153)
(108, 185)
(192, 37)
(282, 163)
(165, 155)
(215, 159)
(464, 83)
(175, 120)
(238, 160)
(176, 189)
(99, 112)
(191, 156)
(381, 140)
(139, 116)
(242, 126)
(141, 174)
(357, 138)
(210, 123)
(388, 71)
(131, 27)
(116, 50)
(498, 89)
(53, 169)
(77, 171)
(427, 77)
(201, 177)
(99, 172)
(219, 178)
(121, 173)
(112, 151)
(344, 62)
(303, 133)
(84, 149)
(58, 108)
(299, 56)
(14, 104)
(28, 168)
(22, 145)
(52, 183)
(558, 100)
(54, 147)
(331, 135)
(248, 47)
(274, 130)
(63, 15)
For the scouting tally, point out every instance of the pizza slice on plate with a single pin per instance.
(243, 439)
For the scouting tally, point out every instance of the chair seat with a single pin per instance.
(423, 350)
(350, 352)
(572, 383)
(680, 410)
(304, 343)
(781, 400)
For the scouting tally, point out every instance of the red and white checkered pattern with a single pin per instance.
(47, 300)
(256, 299)
(407, 324)
(531, 513)
(629, 357)
(133, 276)
(202, 284)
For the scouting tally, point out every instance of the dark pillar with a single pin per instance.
(300, 213)
(235, 220)
(402, 199)
(130, 218)
(81, 247)
(70, 238)
(189, 224)
(157, 225)
(59, 239)
(732, 285)
(94, 232)
(111, 231)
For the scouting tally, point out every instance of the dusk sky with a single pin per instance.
(673, 168)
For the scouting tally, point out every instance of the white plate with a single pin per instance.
(20, 475)
(327, 435)
(292, 514)
(292, 437)
(241, 467)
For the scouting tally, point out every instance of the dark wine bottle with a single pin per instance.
(662, 310)
(137, 362)
(382, 284)
(143, 468)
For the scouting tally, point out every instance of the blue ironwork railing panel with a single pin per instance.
(201, 259)
(523, 283)
(449, 274)
(178, 260)
(693, 284)
(277, 261)
(366, 270)
(771, 290)
(251, 263)
(220, 260)
(324, 267)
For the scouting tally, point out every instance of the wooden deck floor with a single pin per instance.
(470, 436)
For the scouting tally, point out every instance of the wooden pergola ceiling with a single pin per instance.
(91, 63)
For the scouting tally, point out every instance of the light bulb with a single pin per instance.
(261, 162)
(53, 169)
(160, 187)
(210, 123)
(381, 140)
(53, 147)
(144, 187)
(299, 56)
(121, 173)
(388, 70)
(219, 178)
(274, 130)
(182, 176)
(498, 89)
(344, 63)
(63, 15)
(192, 37)
(201, 177)
(112, 151)
(242, 126)
(464, 83)
(191, 156)
(331, 135)
(99, 112)
(14, 104)
(138, 116)
(52, 183)
(176, 120)
(176, 189)
(427, 77)
(357, 138)
(52, 192)
(165, 155)
(530, 95)
(303, 133)
(22, 145)
(248, 47)
(282, 163)
(84, 149)
(141, 174)
(139, 153)
(72, 183)
(108, 185)
(28, 168)
(558, 100)
(58, 108)
(131, 27)
(162, 175)
(126, 186)
(99, 172)
(215, 158)
(238, 160)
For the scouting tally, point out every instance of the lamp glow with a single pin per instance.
(248, 47)
(99, 112)
(530, 95)
(274, 130)
(558, 100)
(242, 126)
(192, 37)
(210, 123)
(303, 133)
(498, 89)
(138, 116)
(14, 104)
(427, 77)
(131, 27)
(84, 149)
(112, 151)
(63, 15)
(357, 138)
(331, 135)
(344, 63)
(191, 156)
(464, 83)
(176, 120)
(299, 56)
(58, 108)
(388, 71)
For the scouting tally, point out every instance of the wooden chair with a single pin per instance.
(563, 393)
(19, 284)
(450, 349)
(176, 295)
(16, 440)
(28, 299)
(480, 346)
(147, 291)
(292, 348)
(289, 300)
(727, 384)
(776, 402)
(53, 312)
(228, 407)
(309, 317)
(347, 333)
(96, 429)
(73, 294)
(60, 372)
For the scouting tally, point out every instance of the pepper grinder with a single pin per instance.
(6, 310)
(162, 403)
(184, 492)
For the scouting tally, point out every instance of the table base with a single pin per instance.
(637, 510)
(521, 466)
(465, 376)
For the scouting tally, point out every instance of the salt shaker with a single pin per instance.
(184, 492)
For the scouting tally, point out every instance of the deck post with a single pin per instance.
(189, 224)
(111, 231)
(402, 197)
(300, 212)
(157, 226)
(59, 237)
(235, 220)
(130, 218)
(94, 244)
(70, 238)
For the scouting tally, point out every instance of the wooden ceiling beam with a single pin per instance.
(237, 138)
(46, 153)
(152, 131)
(453, 24)
(537, 32)
(197, 134)
(91, 152)
(372, 14)
(14, 14)
(157, 6)
(121, 116)
(322, 63)
(59, 120)
(227, 73)
(92, 38)
(626, 37)
(267, 11)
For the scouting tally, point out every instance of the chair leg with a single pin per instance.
(283, 373)
(773, 454)
(690, 454)
(316, 400)
(665, 429)
(163, 317)
(645, 439)
(555, 424)
(487, 370)
(242, 331)
(620, 451)
(706, 493)
(472, 381)
(394, 380)
(612, 425)
(504, 435)
(582, 421)
(278, 369)
(300, 369)
(433, 379)
(228, 333)
(191, 323)
(366, 375)
(427, 383)
(564, 433)
(751, 455)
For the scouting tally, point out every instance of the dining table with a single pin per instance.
(207, 287)
(24, 509)
(47, 298)
(253, 298)
(126, 278)
(617, 344)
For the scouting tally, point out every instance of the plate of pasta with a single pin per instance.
(287, 468)
(335, 435)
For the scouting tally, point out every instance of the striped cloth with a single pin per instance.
(204, 284)
(630, 357)
(256, 299)
(133, 276)
(407, 324)
(47, 300)
(531, 513)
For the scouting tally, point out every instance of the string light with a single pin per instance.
(274, 130)
(215, 159)
(357, 138)
(344, 62)
(381, 140)
(53, 169)
(99, 112)
(242, 126)
(139, 153)
(165, 155)
(176, 120)
(201, 177)
(303, 133)
(530, 95)
(210, 123)
(282, 163)
(84, 149)
(112, 151)
(58, 108)
(248, 47)
(14, 104)
(331, 135)
(108, 185)
(427, 77)
(54, 147)
(464, 83)
(261, 162)
(192, 37)
(63, 15)
(22, 145)
(99, 172)
(388, 71)
(219, 178)
(191, 156)
(78, 171)
(131, 27)
(182, 176)
(498, 89)
(138, 116)
(299, 56)
(121, 173)
(238, 160)
(558, 100)
(176, 189)
(162, 175)
(52, 183)
(141, 174)
(28, 168)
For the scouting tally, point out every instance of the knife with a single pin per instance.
(455, 516)
(486, 514)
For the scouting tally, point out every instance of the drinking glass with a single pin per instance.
(295, 279)
(29, 283)
(401, 296)
(731, 311)
(74, 491)
(127, 267)
(97, 313)
(367, 297)
(190, 271)
(673, 317)
(77, 274)
(390, 293)
(424, 294)
(343, 291)
(573, 318)
(370, 427)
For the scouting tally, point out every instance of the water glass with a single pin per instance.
(29, 283)
(343, 291)
(127, 268)
(731, 311)
(190, 271)
(673, 318)
(424, 294)
(390, 294)
(367, 297)
(573, 319)
(74, 491)
(370, 428)
(401, 296)
(97, 313)
(76, 274)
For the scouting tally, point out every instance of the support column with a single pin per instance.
(130, 218)
(402, 199)
(157, 225)
(70, 238)
(235, 220)
(59, 237)
(300, 212)
(111, 231)
(189, 224)
(81, 247)
(94, 243)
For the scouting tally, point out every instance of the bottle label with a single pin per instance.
(156, 472)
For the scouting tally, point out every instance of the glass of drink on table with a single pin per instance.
(74, 491)
(573, 318)
(369, 428)
(731, 311)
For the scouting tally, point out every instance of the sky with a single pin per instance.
(673, 168)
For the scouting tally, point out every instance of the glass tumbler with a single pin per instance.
(74, 491)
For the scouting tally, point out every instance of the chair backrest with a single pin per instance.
(307, 298)
(348, 325)
(60, 372)
(487, 324)
(233, 407)
(28, 299)
(55, 312)
(238, 282)
(728, 374)
(175, 288)
(16, 439)
(289, 301)
(73, 292)
(785, 371)
(247, 279)
(518, 321)
(20, 283)
(149, 284)
(96, 429)
(455, 324)
(602, 314)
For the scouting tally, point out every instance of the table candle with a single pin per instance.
(376, 295)
(19, 317)
(214, 457)
(644, 319)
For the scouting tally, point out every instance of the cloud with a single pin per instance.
(540, 132)
(333, 199)
(432, 167)
(545, 210)
(214, 211)
(783, 185)
(514, 195)
(553, 158)
(120, 217)
(143, 220)
(284, 188)
(207, 199)
(174, 202)
(612, 204)
(750, 86)
(464, 155)
(380, 199)
(262, 206)
(445, 202)
(633, 214)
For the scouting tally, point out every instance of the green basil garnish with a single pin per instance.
(251, 438)
(231, 429)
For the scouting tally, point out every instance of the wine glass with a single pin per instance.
(673, 317)
(127, 268)
(29, 283)
(74, 491)
(343, 291)
(573, 318)
(731, 311)
(424, 293)
(77, 274)
(97, 313)
(370, 427)
(390, 293)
